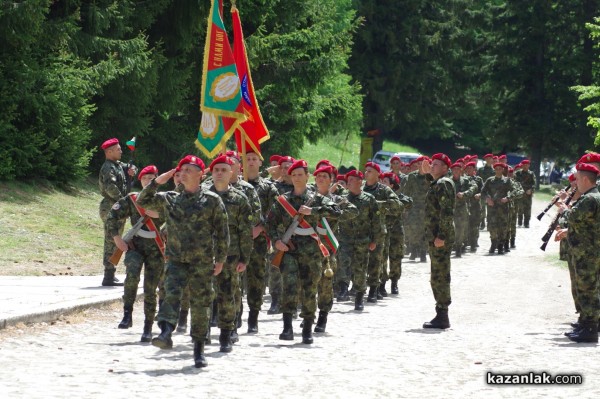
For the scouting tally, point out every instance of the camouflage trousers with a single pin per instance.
(414, 227)
(199, 278)
(587, 276)
(275, 282)
(325, 288)
(394, 252)
(440, 274)
(147, 255)
(461, 225)
(512, 221)
(483, 207)
(498, 222)
(255, 273)
(301, 269)
(374, 265)
(228, 293)
(353, 260)
(474, 223)
(573, 277)
(109, 243)
(524, 208)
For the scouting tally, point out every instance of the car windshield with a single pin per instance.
(379, 157)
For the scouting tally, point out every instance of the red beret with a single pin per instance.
(503, 156)
(395, 158)
(442, 157)
(510, 170)
(572, 177)
(233, 154)
(421, 158)
(355, 173)
(323, 162)
(285, 158)
(301, 163)
(191, 160)
(392, 176)
(148, 170)
(500, 164)
(586, 167)
(488, 156)
(109, 143)
(178, 169)
(340, 178)
(456, 165)
(524, 162)
(473, 164)
(592, 157)
(324, 169)
(220, 159)
(374, 166)
(496, 158)
(275, 158)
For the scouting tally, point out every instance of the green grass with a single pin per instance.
(341, 151)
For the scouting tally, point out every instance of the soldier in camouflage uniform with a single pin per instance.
(485, 173)
(324, 176)
(301, 262)
(240, 218)
(416, 187)
(439, 219)
(358, 237)
(394, 243)
(584, 241)
(513, 207)
(474, 207)
(113, 186)
(465, 190)
(146, 252)
(527, 180)
(498, 191)
(389, 205)
(197, 246)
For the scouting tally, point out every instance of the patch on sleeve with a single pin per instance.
(116, 206)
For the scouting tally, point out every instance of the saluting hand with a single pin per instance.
(438, 243)
(165, 177)
(240, 267)
(218, 268)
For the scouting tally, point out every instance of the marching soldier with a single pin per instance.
(465, 189)
(474, 207)
(513, 207)
(526, 178)
(485, 173)
(113, 186)
(147, 251)
(416, 187)
(197, 248)
(301, 262)
(439, 219)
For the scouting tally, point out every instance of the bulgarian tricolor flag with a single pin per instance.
(131, 144)
(253, 129)
(221, 98)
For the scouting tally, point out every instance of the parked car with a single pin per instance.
(382, 158)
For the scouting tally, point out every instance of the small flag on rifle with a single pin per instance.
(131, 144)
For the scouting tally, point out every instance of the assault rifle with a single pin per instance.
(554, 223)
(289, 232)
(128, 238)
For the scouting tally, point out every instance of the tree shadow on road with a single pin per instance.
(425, 331)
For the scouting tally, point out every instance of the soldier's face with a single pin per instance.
(395, 165)
(222, 173)
(299, 177)
(499, 170)
(456, 172)
(114, 152)
(323, 180)
(438, 168)
(253, 162)
(284, 167)
(386, 181)
(147, 179)
(470, 171)
(235, 168)
(488, 161)
(191, 176)
(525, 167)
(371, 175)
(354, 184)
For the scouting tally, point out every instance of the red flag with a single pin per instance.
(254, 128)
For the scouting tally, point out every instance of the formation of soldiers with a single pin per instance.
(309, 243)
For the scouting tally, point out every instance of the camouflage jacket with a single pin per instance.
(583, 219)
(348, 210)
(416, 186)
(485, 172)
(497, 188)
(468, 188)
(283, 187)
(389, 203)
(407, 203)
(527, 179)
(267, 194)
(365, 227)
(240, 220)
(197, 223)
(479, 184)
(253, 199)
(279, 220)
(112, 180)
(439, 209)
(123, 209)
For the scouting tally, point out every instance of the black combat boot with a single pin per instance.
(147, 333)
(458, 252)
(214, 314)
(413, 255)
(482, 226)
(234, 337)
(359, 302)
(473, 247)
(506, 246)
(288, 331)
(372, 297)
(379, 296)
(182, 322)
(207, 340)
(321, 322)
(274, 309)
(164, 341)
(500, 248)
(526, 224)
(395, 287)
(225, 341)
(238, 320)
(440, 320)
(512, 243)
(423, 256)
(493, 247)
(253, 321)
(199, 358)
(110, 280)
(588, 332)
(127, 320)
(343, 294)
(382, 291)
(575, 330)
(520, 220)
(307, 337)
